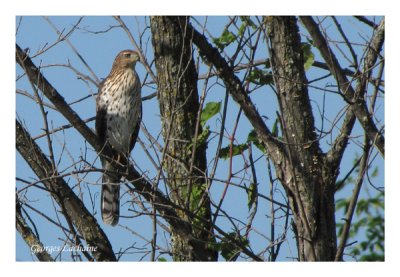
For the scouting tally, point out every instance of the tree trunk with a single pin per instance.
(302, 170)
(179, 105)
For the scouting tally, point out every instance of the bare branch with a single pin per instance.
(353, 54)
(30, 238)
(36, 77)
(335, 154)
(63, 194)
(354, 98)
(365, 20)
(73, 47)
(353, 200)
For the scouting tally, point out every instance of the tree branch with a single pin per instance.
(366, 21)
(64, 196)
(335, 154)
(30, 238)
(353, 201)
(354, 98)
(36, 77)
(235, 88)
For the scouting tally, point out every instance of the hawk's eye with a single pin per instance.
(127, 55)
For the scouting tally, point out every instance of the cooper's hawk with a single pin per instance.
(118, 116)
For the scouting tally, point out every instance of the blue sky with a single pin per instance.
(99, 51)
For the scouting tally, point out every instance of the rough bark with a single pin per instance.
(30, 237)
(179, 105)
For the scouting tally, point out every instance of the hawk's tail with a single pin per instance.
(110, 196)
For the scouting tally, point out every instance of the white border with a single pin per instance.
(205, 7)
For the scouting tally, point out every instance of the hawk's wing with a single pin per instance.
(136, 131)
(101, 120)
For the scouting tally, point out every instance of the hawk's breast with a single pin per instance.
(122, 99)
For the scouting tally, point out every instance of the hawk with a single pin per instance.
(118, 116)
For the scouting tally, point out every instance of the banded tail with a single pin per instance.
(110, 196)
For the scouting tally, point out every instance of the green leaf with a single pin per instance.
(229, 250)
(248, 21)
(308, 55)
(200, 211)
(162, 259)
(225, 39)
(213, 245)
(201, 140)
(253, 138)
(372, 257)
(242, 29)
(362, 206)
(237, 149)
(275, 129)
(251, 195)
(375, 172)
(267, 63)
(339, 227)
(196, 195)
(260, 77)
(342, 204)
(211, 109)
(363, 222)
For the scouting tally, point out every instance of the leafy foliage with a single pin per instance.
(237, 149)
(252, 137)
(252, 193)
(308, 55)
(226, 38)
(196, 194)
(369, 218)
(229, 251)
(248, 22)
(211, 109)
(260, 77)
(275, 128)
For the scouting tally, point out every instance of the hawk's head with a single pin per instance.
(126, 58)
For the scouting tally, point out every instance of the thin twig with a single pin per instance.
(73, 47)
(231, 138)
